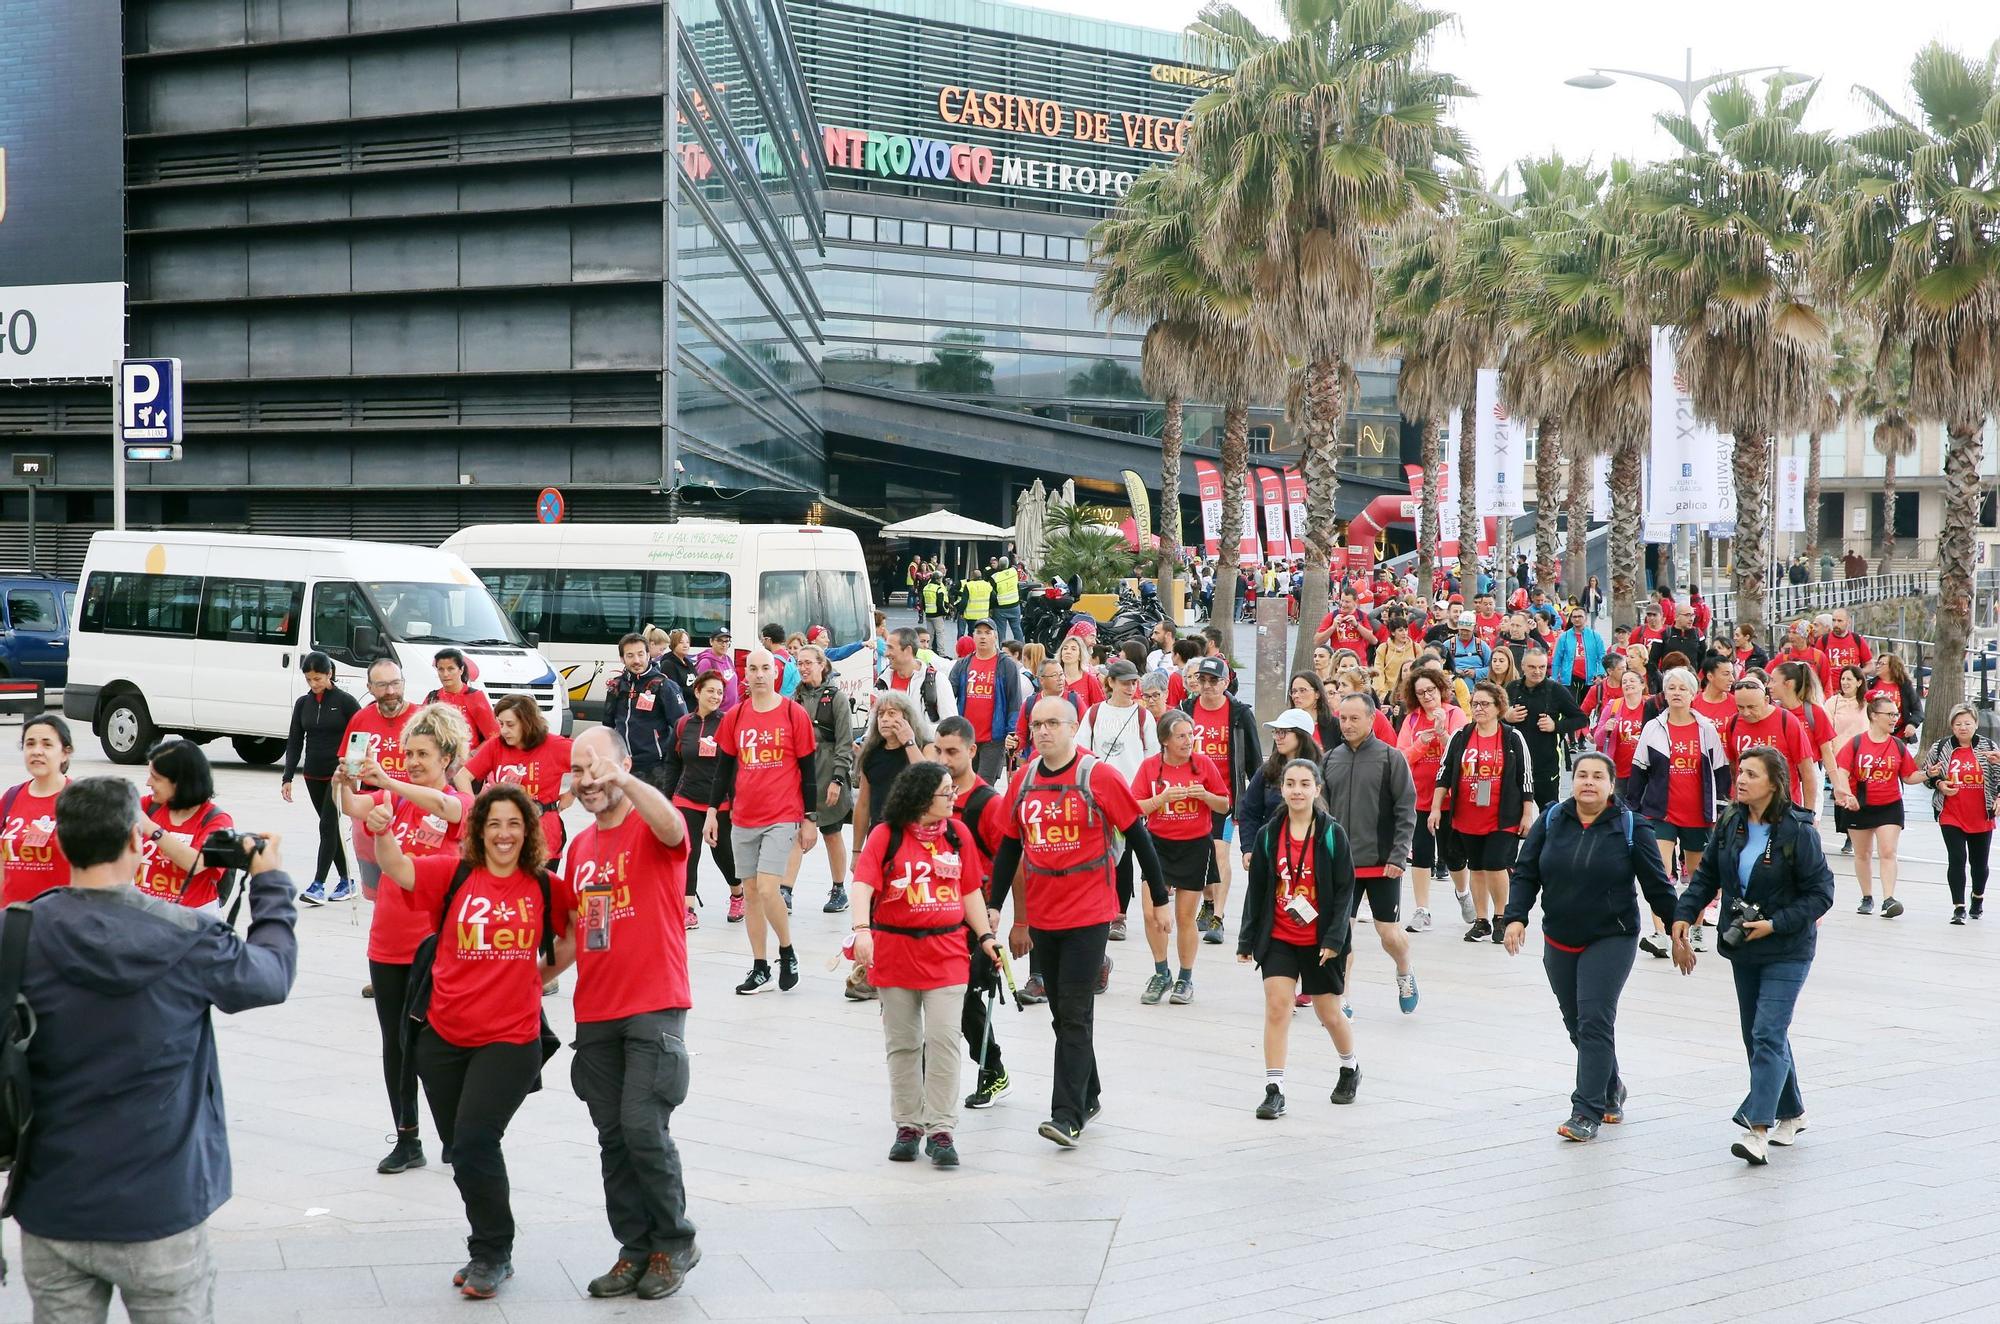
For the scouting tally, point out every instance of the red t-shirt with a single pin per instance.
(160, 875)
(1426, 757)
(1487, 628)
(1483, 763)
(1819, 727)
(1719, 711)
(1177, 690)
(924, 887)
(1351, 634)
(1056, 833)
(645, 967)
(768, 747)
(1886, 689)
(992, 824)
(486, 987)
(1965, 808)
(478, 711)
(1385, 731)
(1211, 732)
(1185, 818)
(1812, 657)
(1842, 650)
(1875, 769)
(1086, 690)
(400, 925)
(387, 733)
(981, 691)
(1292, 867)
(1687, 803)
(1778, 729)
(538, 771)
(1622, 729)
(30, 856)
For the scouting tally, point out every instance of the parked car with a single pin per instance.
(35, 611)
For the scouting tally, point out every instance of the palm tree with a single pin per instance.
(1885, 397)
(1723, 247)
(1920, 247)
(1484, 282)
(1316, 141)
(1846, 373)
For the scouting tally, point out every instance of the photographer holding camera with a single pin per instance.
(1764, 857)
(129, 1153)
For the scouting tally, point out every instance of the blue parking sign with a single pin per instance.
(149, 408)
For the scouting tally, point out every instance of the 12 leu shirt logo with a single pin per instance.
(607, 876)
(31, 843)
(487, 929)
(760, 747)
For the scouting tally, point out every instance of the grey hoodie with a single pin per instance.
(1370, 793)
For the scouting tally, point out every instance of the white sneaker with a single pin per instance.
(1465, 905)
(1751, 1150)
(1420, 922)
(1694, 938)
(1787, 1130)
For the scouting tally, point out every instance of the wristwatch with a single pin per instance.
(156, 834)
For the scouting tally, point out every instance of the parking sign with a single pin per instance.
(149, 408)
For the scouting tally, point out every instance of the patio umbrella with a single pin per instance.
(1030, 526)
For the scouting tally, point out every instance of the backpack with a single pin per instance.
(17, 1031)
(417, 998)
(1114, 841)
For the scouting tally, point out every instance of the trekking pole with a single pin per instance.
(1007, 969)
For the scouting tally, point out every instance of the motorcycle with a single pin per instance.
(1046, 616)
(1136, 617)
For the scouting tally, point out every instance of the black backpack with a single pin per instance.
(17, 1031)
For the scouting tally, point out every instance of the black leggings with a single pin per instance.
(1960, 847)
(474, 1093)
(1125, 869)
(332, 852)
(724, 853)
(399, 1074)
(975, 1023)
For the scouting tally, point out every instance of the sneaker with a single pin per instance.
(735, 907)
(1440, 874)
(458, 1279)
(836, 900)
(1847, 845)
(1156, 988)
(786, 893)
(1091, 1110)
(408, 1153)
(1656, 944)
(483, 1278)
(1787, 1130)
(1867, 906)
(1273, 1106)
(1480, 931)
(1891, 908)
(1064, 1136)
(905, 1148)
(693, 919)
(1958, 914)
(1695, 938)
(1183, 991)
(1465, 910)
(1033, 993)
(662, 1278)
(314, 895)
(1614, 1110)
(1104, 975)
(1580, 1127)
(1751, 1150)
(368, 990)
(944, 1154)
(758, 980)
(1499, 931)
(619, 1280)
(551, 988)
(343, 890)
(1420, 922)
(1214, 934)
(991, 1090)
(1302, 1000)
(1406, 992)
(1117, 933)
(858, 987)
(1346, 1007)
(1978, 906)
(788, 971)
(1349, 1082)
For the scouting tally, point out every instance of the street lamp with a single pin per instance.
(1687, 88)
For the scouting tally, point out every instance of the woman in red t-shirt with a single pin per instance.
(1963, 770)
(1472, 790)
(424, 816)
(1892, 681)
(481, 1049)
(1617, 732)
(181, 803)
(1180, 790)
(1428, 727)
(1084, 688)
(917, 889)
(1877, 763)
(1715, 702)
(530, 756)
(31, 859)
(454, 675)
(687, 777)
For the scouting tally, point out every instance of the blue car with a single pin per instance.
(35, 612)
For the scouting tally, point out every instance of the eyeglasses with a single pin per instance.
(1049, 723)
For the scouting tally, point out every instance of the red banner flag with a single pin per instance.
(1272, 489)
(1295, 497)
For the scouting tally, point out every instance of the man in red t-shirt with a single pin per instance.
(986, 687)
(1653, 628)
(1062, 839)
(1843, 648)
(1486, 620)
(624, 887)
(982, 811)
(1758, 721)
(766, 744)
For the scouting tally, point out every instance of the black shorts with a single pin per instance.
(1490, 851)
(1423, 846)
(1690, 838)
(1223, 828)
(1868, 817)
(1284, 960)
(1186, 864)
(1384, 898)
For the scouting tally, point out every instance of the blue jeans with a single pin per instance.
(1007, 623)
(1765, 996)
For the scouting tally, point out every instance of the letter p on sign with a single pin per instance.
(149, 408)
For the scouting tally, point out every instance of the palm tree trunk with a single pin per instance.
(1753, 510)
(1468, 505)
(1170, 497)
(1955, 547)
(1888, 510)
(1428, 537)
(1625, 531)
(1577, 501)
(1235, 486)
(1812, 501)
(1320, 445)
(1548, 473)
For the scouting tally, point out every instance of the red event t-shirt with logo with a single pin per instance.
(981, 693)
(1965, 808)
(486, 987)
(30, 855)
(1055, 832)
(768, 747)
(387, 735)
(1622, 729)
(1293, 871)
(1484, 762)
(992, 824)
(1718, 711)
(645, 967)
(1184, 818)
(400, 924)
(1211, 732)
(1876, 768)
(1687, 801)
(924, 887)
(163, 878)
(1886, 689)
(1778, 729)
(538, 771)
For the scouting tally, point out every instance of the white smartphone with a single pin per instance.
(360, 747)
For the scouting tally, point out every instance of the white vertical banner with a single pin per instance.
(1683, 461)
(1791, 494)
(1447, 481)
(1501, 443)
(1251, 549)
(1600, 488)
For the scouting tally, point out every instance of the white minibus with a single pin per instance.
(201, 634)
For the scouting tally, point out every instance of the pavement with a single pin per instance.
(1441, 1195)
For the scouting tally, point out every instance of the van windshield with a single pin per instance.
(440, 613)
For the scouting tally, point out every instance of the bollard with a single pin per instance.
(1273, 659)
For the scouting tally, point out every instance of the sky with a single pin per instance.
(1516, 53)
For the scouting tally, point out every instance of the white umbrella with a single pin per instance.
(945, 526)
(1030, 521)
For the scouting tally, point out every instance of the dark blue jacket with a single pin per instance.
(129, 1141)
(648, 729)
(1588, 878)
(1791, 884)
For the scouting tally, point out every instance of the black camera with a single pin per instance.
(227, 848)
(1733, 936)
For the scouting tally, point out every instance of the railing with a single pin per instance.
(1785, 603)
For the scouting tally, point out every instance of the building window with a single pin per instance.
(939, 236)
(1010, 243)
(986, 241)
(961, 239)
(1260, 440)
(1037, 245)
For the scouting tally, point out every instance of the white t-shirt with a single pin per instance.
(1121, 737)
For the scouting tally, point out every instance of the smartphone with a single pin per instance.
(360, 747)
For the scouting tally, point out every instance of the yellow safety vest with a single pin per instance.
(933, 593)
(978, 599)
(1007, 587)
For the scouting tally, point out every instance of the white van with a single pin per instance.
(576, 588)
(201, 633)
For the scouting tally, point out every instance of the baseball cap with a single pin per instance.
(984, 623)
(1466, 620)
(1293, 719)
(1212, 666)
(1122, 669)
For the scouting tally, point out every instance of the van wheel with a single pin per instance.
(127, 731)
(261, 751)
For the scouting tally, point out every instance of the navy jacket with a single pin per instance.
(1791, 884)
(1333, 877)
(129, 1141)
(648, 728)
(1588, 878)
(1007, 697)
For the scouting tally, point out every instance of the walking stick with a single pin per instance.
(1007, 969)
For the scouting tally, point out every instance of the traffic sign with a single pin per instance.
(549, 506)
(149, 409)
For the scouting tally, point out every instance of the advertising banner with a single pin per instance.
(1142, 507)
(1295, 497)
(1600, 488)
(1501, 443)
(1271, 489)
(1208, 484)
(1791, 494)
(1447, 481)
(1250, 551)
(1686, 456)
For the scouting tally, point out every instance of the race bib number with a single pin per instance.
(644, 703)
(946, 867)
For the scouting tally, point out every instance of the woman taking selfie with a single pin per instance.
(1765, 861)
(31, 858)
(319, 726)
(1588, 859)
(1963, 770)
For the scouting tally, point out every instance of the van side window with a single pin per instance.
(33, 610)
(338, 609)
(129, 602)
(783, 598)
(844, 606)
(596, 606)
(693, 600)
(252, 611)
(524, 596)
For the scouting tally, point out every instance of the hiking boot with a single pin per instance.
(1033, 993)
(905, 1148)
(408, 1153)
(836, 900)
(992, 1088)
(661, 1279)
(943, 1153)
(314, 895)
(1203, 916)
(1273, 1106)
(483, 1278)
(1156, 988)
(735, 907)
(1214, 934)
(619, 1280)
